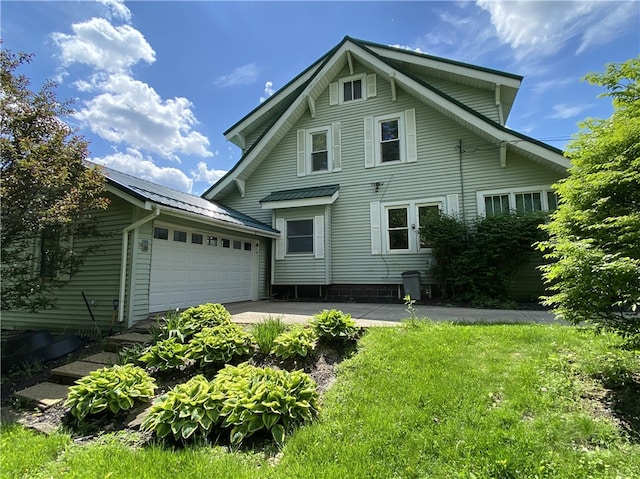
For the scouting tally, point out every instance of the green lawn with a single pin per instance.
(423, 400)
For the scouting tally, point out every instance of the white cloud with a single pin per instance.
(207, 175)
(405, 47)
(544, 28)
(129, 111)
(544, 86)
(268, 91)
(135, 164)
(563, 111)
(244, 75)
(101, 45)
(611, 24)
(117, 9)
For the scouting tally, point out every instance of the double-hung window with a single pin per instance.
(319, 154)
(389, 135)
(300, 236)
(390, 139)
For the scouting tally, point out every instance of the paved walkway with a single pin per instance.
(374, 314)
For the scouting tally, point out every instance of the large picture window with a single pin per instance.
(300, 236)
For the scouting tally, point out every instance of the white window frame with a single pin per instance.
(377, 121)
(543, 190)
(309, 150)
(413, 225)
(363, 87)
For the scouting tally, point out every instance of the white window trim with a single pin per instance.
(378, 138)
(363, 86)
(512, 192)
(318, 234)
(380, 224)
(309, 144)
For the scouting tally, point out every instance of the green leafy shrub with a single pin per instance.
(264, 399)
(113, 389)
(332, 324)
(165, 354)
(188, 410)
(476, 260)
(220, 344)
(298, 341)
(195, 319)
(265, 332)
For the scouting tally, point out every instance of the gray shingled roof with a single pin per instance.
(164, 196)
(301, 193)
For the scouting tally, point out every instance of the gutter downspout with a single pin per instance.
(123, 262)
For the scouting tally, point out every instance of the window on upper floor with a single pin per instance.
(319, 154)
(319, 150)
(518, 200)
(390, 139)
(352, 89)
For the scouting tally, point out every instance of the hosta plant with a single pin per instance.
(220, 344)
(114, 389)
(264, 399)
(204, 316)
(332, 324)
(165, 354)
(298, 341)
(189, 410)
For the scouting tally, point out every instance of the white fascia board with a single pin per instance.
(300, 101)
(168, 211)
(267, 107)
(490, 77)
(322, 200)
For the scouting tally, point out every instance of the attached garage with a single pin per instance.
(191, 267)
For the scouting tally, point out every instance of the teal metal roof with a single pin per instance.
(147, 191)
(301, 193)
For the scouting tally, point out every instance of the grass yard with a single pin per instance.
(422, 400)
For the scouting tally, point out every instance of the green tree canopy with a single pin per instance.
(595, 233)
(49, 196)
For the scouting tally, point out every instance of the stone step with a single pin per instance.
(43, 395)
(106, 358)
(114, 343)
(69, 373)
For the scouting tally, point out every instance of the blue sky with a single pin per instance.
(156, 83)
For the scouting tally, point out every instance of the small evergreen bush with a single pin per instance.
(113, 389)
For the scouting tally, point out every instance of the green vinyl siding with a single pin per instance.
(435, 175)
(99, 279)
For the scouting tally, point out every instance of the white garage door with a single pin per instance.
(189, 268)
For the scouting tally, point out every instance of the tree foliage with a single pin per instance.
(49, 196)
(595, 233)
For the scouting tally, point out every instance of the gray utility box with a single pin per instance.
(411, 284)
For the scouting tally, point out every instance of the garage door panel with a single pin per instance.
(185, 274)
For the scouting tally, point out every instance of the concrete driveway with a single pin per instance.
(373, 314)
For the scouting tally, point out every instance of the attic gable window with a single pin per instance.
(352, 90)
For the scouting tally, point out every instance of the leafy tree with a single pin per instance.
(595, 233)
(48, 195)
